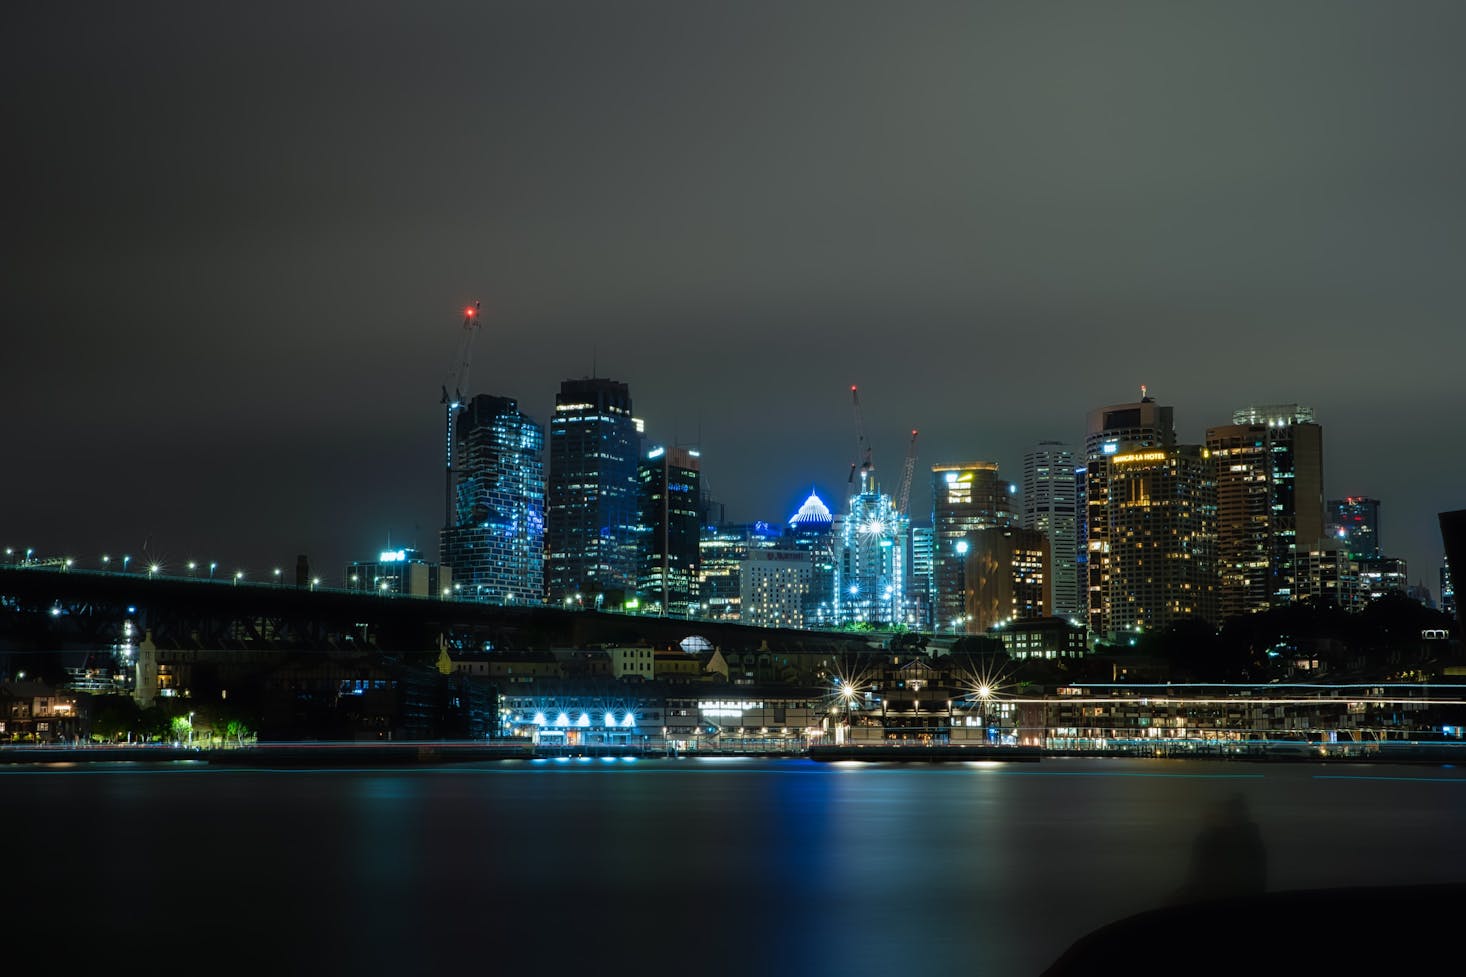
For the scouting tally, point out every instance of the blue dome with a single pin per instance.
(814, 514)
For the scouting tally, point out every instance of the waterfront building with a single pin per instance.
(1354, 520)
(870, 561)
(1160, 534)
(496, 544)
(1269, 473)
(1006, 577)
(401, 571)
(1050, 506)
(592, 508)
(966, 497)
(670, 494)
(1113, 430)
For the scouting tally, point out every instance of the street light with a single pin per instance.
(315, 582)
(153, 570)
(69, 562)
(212, 567)
(277, 574)
(126, 559)
(192, 566)
(237, 575)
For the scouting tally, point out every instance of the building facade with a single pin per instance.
(870, 561)
(1160, 533)
(401, 571)
(1050, 506)
(776, 587)
(1269, 471)
(1007, 577)
(1354, 521)
(966, 498)
(592, 506)
(496, 545)
(670, 491)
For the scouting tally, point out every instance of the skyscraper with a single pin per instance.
(966, 497)
(1049, 497)
(720, 557)
(1269, 470)
(1007, 577)
(496, 545)
(670, 495)
(1110, 431)
(1354, 521)
(870, 560)
(593, 512)
(1160, 532)
(919, 587)
(811, 530)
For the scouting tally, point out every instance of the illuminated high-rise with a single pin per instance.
(966, 497)
(593, 512)
(721, 554)
(670, 482)
(871, 560)
(1354, 522)
(811, 530)
(1113, 430)
(1049, 506)
(1159, 527)
(1007, 575)
(1269, 469)
(496, 545)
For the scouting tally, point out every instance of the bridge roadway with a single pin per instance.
(53, 608)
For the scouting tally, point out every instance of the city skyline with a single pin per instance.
(233, 292)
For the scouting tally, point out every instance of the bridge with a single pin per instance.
(57, 608)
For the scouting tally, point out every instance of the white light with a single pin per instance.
(392, 556)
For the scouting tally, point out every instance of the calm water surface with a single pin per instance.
(707, 866)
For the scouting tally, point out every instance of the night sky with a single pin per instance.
(237, 242)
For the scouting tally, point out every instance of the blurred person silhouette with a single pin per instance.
(1228, 858)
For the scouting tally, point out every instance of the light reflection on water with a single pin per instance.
(716, 866)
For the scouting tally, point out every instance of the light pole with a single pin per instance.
(212, 567)
(126, 559)
(153, 570)
(237, 575)
(315, 582)
(105, 560)
(277, 575)
(192, 566)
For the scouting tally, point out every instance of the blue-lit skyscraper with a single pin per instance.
(812, 531)
(496, 545)
(871, 560)
(592, 534)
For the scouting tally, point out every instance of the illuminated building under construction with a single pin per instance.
(871, 565)
(872, 562)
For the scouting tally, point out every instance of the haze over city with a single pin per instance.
(243, 238)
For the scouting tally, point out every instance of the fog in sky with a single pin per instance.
(238, 238)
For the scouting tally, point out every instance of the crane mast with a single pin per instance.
(862, 445)
(903, 497)
(457, 380)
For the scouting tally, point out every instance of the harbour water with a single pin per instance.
(695, 866)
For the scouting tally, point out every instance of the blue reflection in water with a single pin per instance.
(715, 867)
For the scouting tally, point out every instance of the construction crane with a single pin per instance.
(903, 497)
(862, 446)
(457, 380)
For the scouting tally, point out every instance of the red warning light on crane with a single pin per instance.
(470, 311)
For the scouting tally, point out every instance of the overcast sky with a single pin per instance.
(238, 239)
